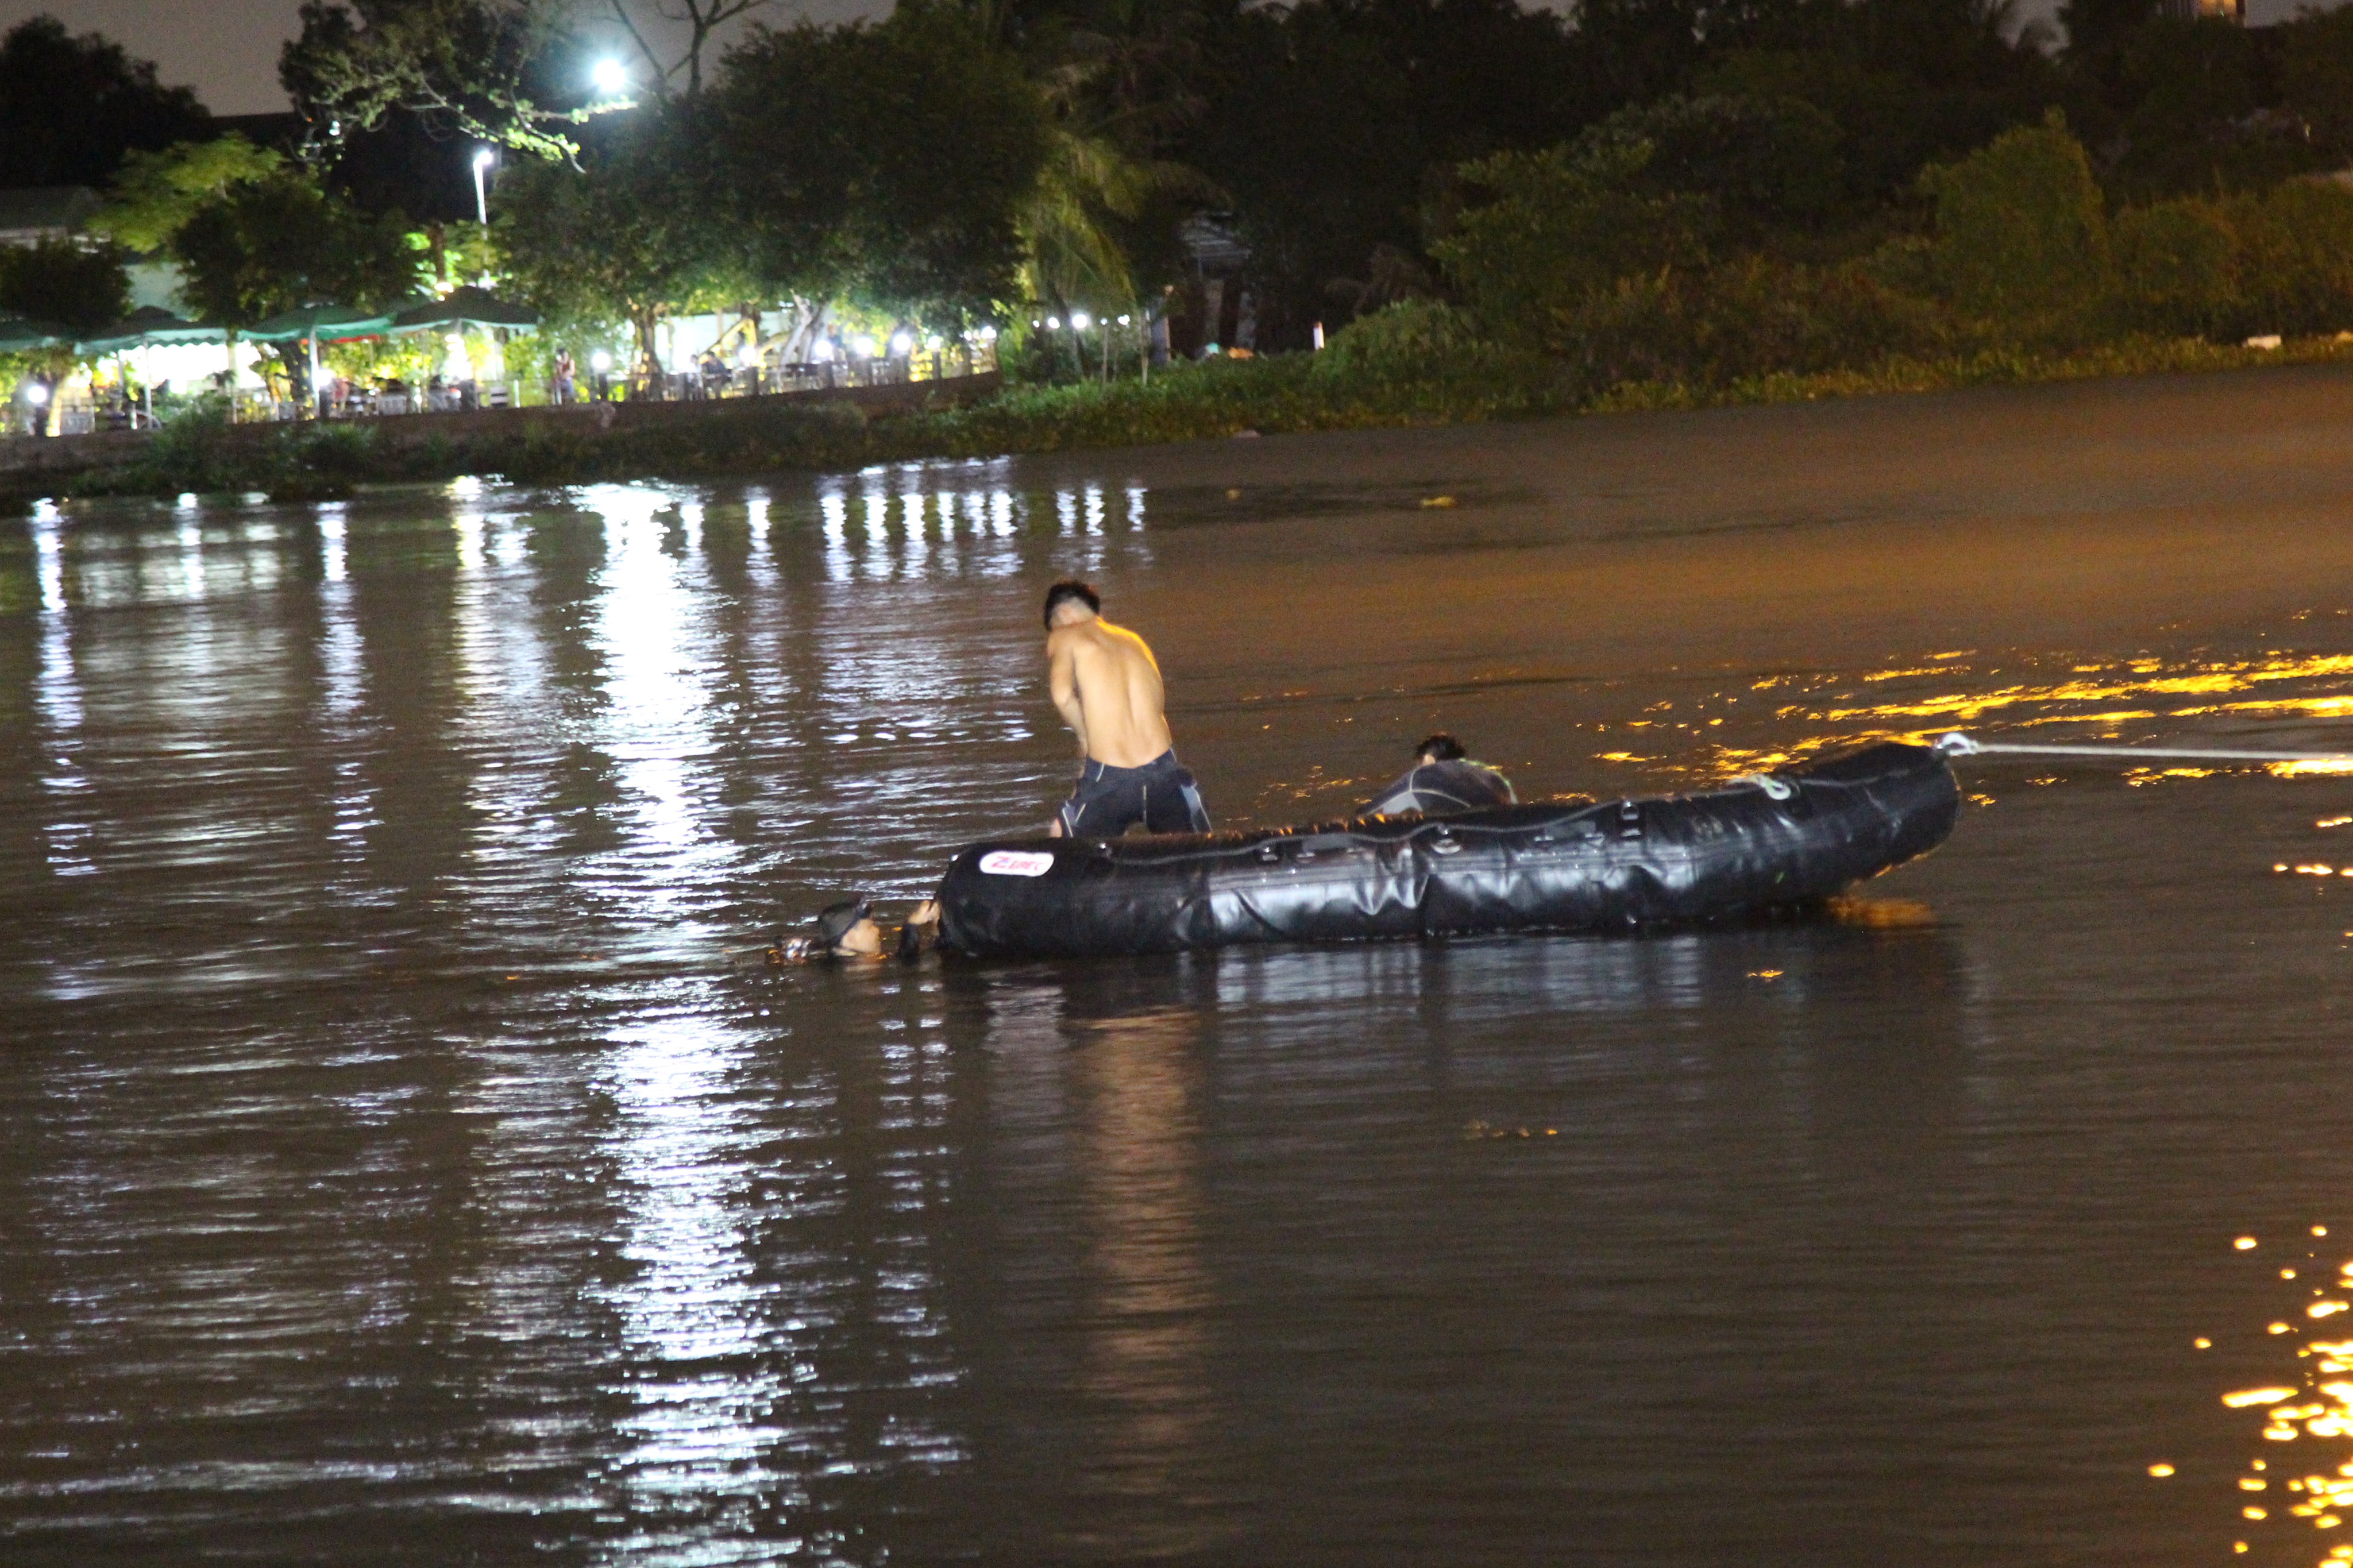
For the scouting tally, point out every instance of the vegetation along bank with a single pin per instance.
(1486, 211)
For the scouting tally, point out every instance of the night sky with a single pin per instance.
(228, 49)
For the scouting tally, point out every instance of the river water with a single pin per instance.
(398, 1168)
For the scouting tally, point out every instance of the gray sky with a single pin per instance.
(228, 49)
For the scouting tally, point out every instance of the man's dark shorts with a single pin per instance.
(1108, 801)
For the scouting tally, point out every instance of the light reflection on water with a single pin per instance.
(392, 1162)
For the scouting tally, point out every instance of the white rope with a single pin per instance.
(1959, 745)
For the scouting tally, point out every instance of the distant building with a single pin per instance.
(35, 213)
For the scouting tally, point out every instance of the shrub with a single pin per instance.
(2022, 236)
(1765, 160)
(1747, 318)
(1563, 228)
(1412, 344)
(2176, 268)
(2295, 257)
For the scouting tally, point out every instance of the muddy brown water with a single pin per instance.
(396, 1169)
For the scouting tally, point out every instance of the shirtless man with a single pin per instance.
(1107, 685)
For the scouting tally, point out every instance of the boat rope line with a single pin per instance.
(1959, 745)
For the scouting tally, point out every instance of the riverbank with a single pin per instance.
(1286, 394)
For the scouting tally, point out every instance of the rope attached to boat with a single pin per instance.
(1959, 745)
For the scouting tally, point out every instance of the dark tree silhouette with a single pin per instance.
(71, 107)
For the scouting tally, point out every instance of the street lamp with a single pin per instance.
(482, 162)
(610, 76)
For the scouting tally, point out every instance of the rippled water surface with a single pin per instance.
(397, 1168)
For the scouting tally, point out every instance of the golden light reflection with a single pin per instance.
(2312, 1411)
(1901, 701)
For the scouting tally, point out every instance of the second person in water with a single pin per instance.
(1443, 779)
(1107, 685)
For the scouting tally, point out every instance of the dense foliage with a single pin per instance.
(70, 106)
(1488, 207)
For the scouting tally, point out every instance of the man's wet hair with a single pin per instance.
(1442, 747)
(1062, 594)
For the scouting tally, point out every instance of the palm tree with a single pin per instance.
(1112, 82)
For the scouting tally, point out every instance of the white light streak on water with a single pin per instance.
(57, 707)
(834, 507)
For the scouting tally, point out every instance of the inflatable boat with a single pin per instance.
(1759, 845)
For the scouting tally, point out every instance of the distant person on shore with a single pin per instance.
(1443, 779)
(568, 385)
(1107, 685)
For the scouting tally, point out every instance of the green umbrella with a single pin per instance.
(152, 324)
(320, 323)
(18, 335)
(466, 307)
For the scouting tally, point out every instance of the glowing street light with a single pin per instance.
(903, 344)
(600, 361)
(610, 77)
(482, 162)
(36, 395)
(862, 346)
(1080, 320)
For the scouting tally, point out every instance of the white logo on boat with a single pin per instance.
(1017, 863)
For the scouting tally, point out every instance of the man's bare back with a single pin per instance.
(1106, 685)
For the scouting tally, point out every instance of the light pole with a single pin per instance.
(482, 160)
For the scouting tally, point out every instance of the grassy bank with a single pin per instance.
(1297, 393)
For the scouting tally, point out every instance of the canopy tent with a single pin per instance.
(464, 308)
(19, 335)
(320, 323)
(152, 324)
(316, 324)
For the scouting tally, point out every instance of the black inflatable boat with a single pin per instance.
(1757, 846)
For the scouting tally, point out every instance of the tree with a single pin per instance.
(271, 245)
(474, 67)
(1563, 227)
(157, 192)
(911, 198)
(70, 106)
(2316, 76)
(701, 18)
(63, 281)
(1333, 124)
(1767, 163)
(622, 237)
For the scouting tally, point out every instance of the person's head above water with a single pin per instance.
(849, 930)
(1066, 604)
(1440, 748)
